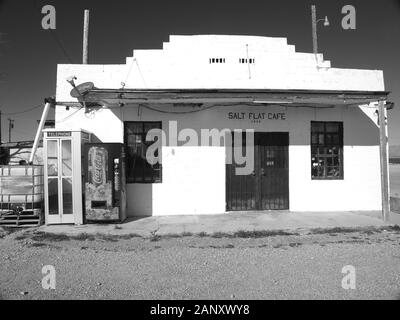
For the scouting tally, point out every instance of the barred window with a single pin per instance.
(326, 150)
(138, 169)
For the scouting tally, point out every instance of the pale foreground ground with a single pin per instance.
(240, 257)
(242, 266)
(229, 223)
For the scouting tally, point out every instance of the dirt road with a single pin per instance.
(306, 266)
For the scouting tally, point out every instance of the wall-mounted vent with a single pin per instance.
(244, 60)
(217, 60)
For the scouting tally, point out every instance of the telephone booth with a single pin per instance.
(63, 175)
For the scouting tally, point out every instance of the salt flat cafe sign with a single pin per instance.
(256, 116)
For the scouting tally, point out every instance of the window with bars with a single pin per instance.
(326, 150)
(216, 60)
(244, 60)
(138, 169)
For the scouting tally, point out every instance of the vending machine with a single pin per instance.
(104, 176)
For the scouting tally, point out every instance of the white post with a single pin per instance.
(384, 161)
(49, 103)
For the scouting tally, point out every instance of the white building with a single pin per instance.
(316, 134)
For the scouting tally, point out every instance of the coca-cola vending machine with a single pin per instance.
(105, 194)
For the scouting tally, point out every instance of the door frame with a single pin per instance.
(59, 218)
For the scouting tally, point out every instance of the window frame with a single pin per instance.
(325, 145)
(135, 179)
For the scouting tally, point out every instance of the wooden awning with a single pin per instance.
(288, 97)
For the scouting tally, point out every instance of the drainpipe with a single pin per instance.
(49, 102)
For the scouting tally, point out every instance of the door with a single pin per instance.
(267, 187)
(58, 173)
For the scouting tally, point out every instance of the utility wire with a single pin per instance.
(69, 116)
(58, 41)
(24, 111)
(54, 35)
(177, 112)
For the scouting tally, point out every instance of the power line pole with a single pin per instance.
(0, 129)
(10, 126)
(314, 28)
(85, 55)
(314, 22)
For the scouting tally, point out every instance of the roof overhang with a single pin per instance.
(323, 98)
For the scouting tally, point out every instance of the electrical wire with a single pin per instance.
(202, 109)
(20, 112)
(177, 112)
(60, 45)
(69, 116)
(140, 72)
(129, 72)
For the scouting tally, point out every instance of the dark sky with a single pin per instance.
(29, 54)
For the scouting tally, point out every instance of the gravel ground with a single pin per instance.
(306, 266)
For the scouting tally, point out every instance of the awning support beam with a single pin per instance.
(384, 159)
(49, 102)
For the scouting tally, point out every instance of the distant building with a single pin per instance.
(48, 124)
(21, 151)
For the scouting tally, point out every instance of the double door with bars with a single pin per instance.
(267, 187)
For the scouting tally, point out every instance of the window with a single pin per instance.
(326, 150)
(243, 60)
(137, 167)
(217, 60)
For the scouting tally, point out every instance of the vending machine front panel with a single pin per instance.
(102, 181)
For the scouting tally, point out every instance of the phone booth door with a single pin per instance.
(59, 181)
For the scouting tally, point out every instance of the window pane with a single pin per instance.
(332, 127)
(52, 158)
(137, 139)
(328, 139)
(336, 161)
(321, 139)
(336, 139)
(52, 185)
(333, 172)
(314, 138)
(151, 125)
(52, 167)
(317, 127)
(67, 195)
(66, 157)
(135, 127)
(52, 148)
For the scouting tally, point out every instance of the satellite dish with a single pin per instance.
(81, 89)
